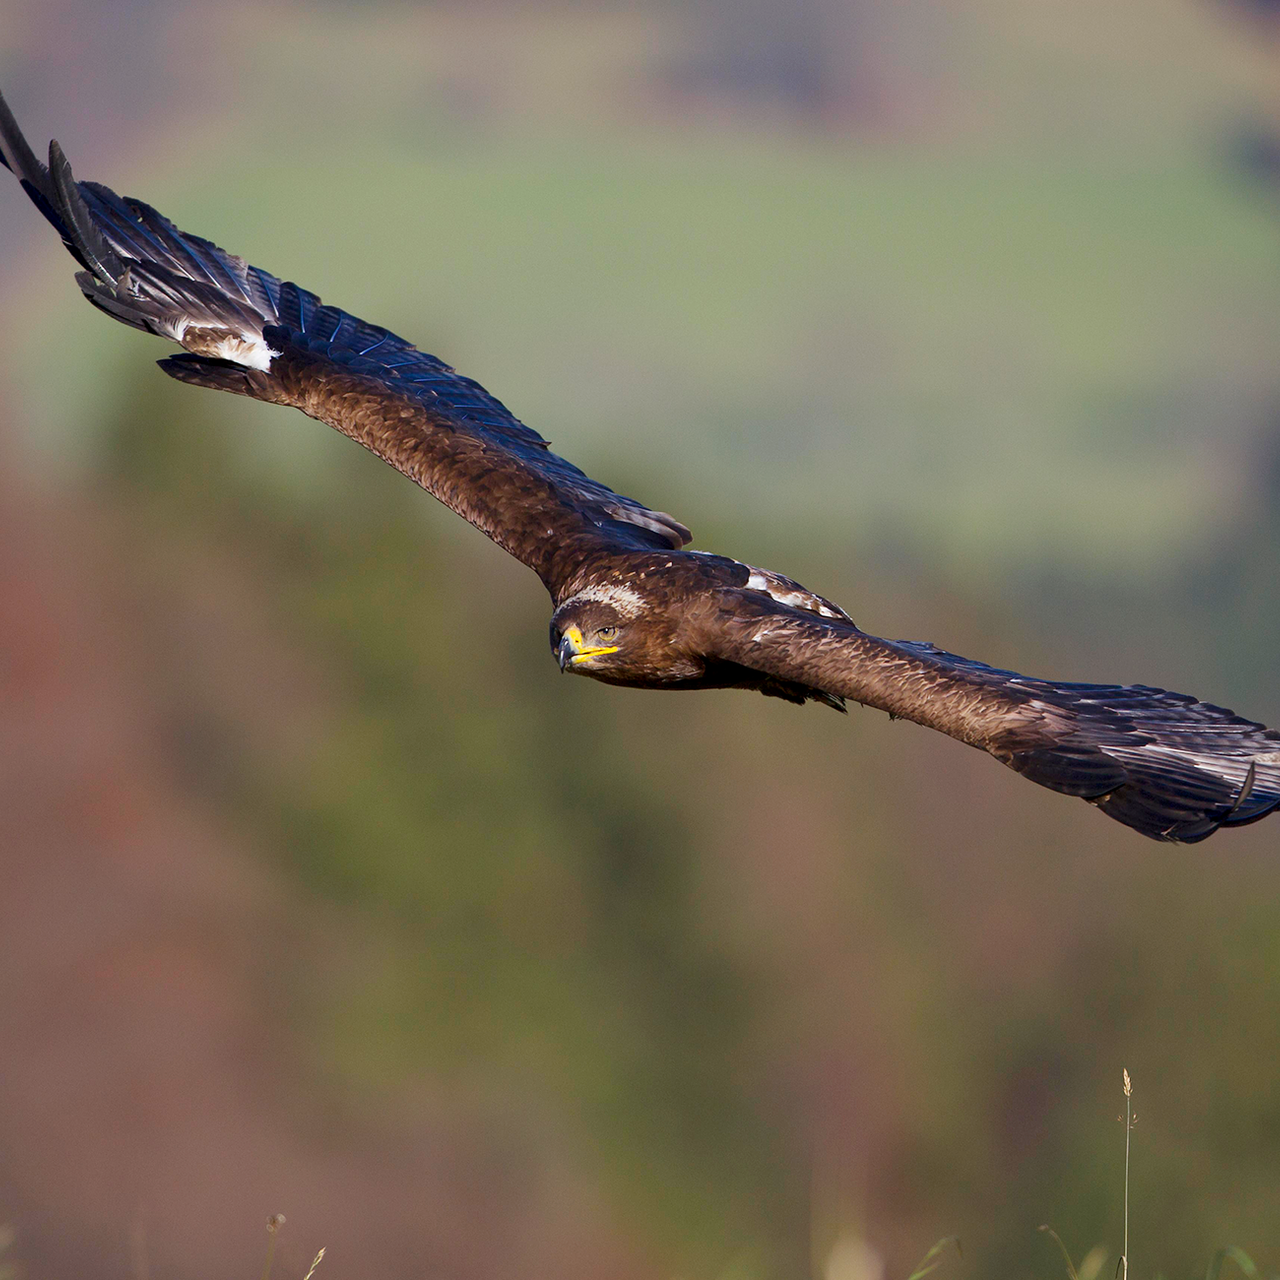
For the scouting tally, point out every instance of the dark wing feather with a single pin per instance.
(249, 332)
(1163, 763)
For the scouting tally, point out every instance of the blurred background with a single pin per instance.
(323, 893)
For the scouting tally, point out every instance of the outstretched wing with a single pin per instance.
(1163, 763)
(246, 331)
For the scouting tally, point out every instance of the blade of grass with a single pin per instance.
(933, 1258)
(1057, 1239)
(1128, 1130)
(274, 1223)
(1237, 1255)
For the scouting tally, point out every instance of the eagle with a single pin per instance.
(630, 604)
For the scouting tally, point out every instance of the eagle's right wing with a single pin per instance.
(1163, 763)
(246, 331)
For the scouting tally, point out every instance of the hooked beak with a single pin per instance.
(566, 650)
(573, 649)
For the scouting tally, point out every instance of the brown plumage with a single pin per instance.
(631, 607)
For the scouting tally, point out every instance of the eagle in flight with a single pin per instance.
(630, 605)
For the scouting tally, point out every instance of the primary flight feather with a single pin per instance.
(631, 607)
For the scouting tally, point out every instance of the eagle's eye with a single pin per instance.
(607, 633)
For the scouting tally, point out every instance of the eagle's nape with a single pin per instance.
(1165, 764)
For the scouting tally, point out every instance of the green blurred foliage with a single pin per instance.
(530, 879)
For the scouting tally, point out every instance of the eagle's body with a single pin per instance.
(630, 605)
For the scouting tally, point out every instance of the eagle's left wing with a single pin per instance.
(247, 331)
(1163, 763)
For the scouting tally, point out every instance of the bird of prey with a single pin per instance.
(630, 605)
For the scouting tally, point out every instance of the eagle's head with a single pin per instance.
(593, 633)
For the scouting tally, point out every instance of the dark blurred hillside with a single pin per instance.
(327, 894)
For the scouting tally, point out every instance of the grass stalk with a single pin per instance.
(1128, 1131)
(274, 1223)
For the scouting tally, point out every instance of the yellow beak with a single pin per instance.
(573, 649)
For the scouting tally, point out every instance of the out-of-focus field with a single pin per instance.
(327, 894)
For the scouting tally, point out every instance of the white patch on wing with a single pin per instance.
(256, 355)
(247, 349)
(627, 600)
(253, 354)
(792, 594)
